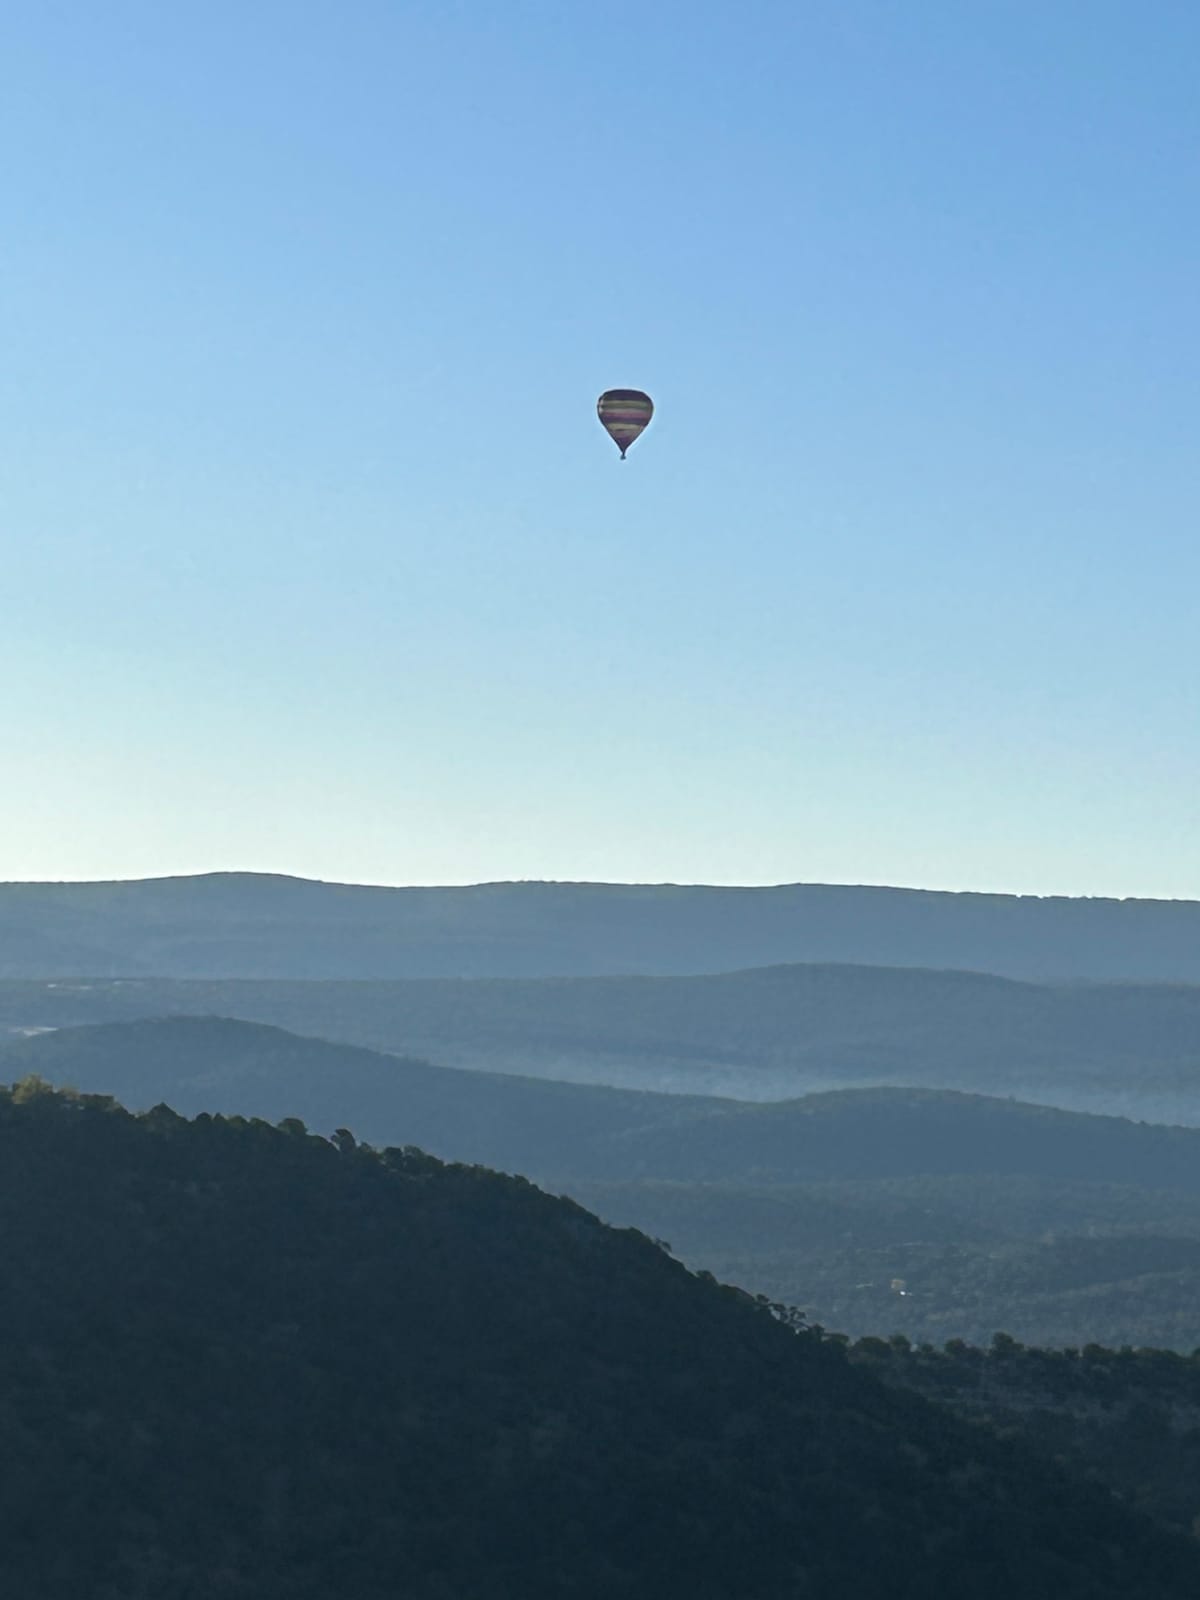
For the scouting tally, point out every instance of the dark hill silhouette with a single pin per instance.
(240, 1360)
(766, 1033)
(259, 925)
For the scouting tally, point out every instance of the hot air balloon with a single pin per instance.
(623, 414)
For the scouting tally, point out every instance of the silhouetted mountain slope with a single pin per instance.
(241, 1361)
(762, 1034)
(257, 925)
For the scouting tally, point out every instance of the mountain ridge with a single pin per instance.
(277, 925)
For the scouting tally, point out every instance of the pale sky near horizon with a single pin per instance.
(316, 560)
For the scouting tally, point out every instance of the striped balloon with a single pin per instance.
(624, 413)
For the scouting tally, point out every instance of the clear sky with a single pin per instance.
(316, 560)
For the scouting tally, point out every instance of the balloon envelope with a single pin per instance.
(624, 413)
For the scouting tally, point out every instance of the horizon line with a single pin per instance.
(577, 883)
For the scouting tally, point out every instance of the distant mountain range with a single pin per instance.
(1057, 1227)
(261, 926)
(770, 1033)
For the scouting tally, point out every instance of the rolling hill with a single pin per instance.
(769, 1033)
(539, 1127)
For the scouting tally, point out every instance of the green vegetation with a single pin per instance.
(244, 1360)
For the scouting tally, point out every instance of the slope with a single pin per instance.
(241, 1361)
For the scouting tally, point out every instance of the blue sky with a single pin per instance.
(316, 560)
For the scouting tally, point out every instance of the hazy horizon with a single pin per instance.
(614, 883)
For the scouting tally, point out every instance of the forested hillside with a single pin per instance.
(1125, 1418)
(244, 1360)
